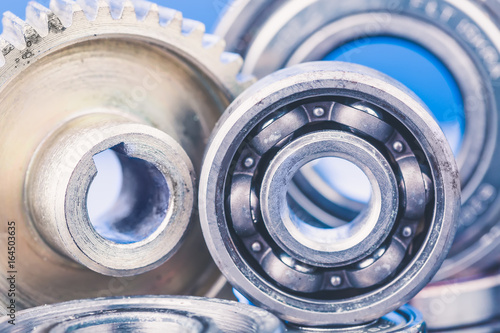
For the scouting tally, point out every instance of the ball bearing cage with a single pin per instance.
(243, 193)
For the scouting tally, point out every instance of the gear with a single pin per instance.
(84, 77)
(145, 314)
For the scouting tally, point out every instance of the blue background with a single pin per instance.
(206, 11)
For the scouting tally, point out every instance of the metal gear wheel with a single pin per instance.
(83, 77)
(145, 314)
(462, 35)
(284, 259)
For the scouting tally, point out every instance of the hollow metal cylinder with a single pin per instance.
(283, 258)
(463, 35)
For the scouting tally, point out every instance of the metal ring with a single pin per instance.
(145, 314)
(463, 35)
(342, 245)
(406, 319)
(464, 302)
(272, 129)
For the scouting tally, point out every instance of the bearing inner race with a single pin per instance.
(329, 246)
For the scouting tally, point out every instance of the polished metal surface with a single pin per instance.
(491, 327)
(283, 259)
(463, 35)
(84, 77)
(406, 319)
(145, 314)
(460, 303)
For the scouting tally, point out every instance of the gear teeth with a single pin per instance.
(231, 58)
(169, 17)
(142, 9)
(161, 15)
(38, 17)
(15, 30)
(91, 7)
(193, 29)
(5, 49)
(121, 9)
(232, 61)
(65, 10)
(214, 43)
(42, 22)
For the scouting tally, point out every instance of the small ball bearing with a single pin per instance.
(306, 270)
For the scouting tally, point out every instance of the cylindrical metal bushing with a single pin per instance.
(284, 259)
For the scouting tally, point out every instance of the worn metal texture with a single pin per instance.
(287, 261)
(83, 77)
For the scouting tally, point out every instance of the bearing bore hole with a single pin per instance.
(419, 70)
(345, 177)
(338, 181)
(128, 199)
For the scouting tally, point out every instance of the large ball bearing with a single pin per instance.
(461, 35)
(286, 260)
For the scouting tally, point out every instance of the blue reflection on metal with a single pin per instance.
(241, 298)
(419, 70)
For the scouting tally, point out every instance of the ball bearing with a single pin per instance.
(303, 269)
(462, 35)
